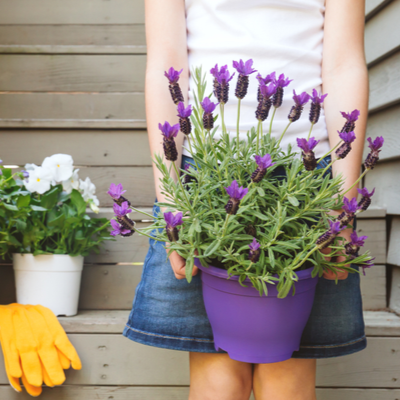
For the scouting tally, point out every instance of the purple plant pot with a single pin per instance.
(253, 328)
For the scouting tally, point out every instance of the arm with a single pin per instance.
(345, 78)
(166, 47)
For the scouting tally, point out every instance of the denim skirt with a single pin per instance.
(169, 313)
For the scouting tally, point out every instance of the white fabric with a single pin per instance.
(279, 35)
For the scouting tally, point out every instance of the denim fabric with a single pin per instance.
(170, 313)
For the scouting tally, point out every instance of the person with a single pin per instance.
(317, 43)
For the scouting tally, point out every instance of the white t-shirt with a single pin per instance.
(284, 36)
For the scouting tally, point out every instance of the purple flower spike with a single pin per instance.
(169, 131)
(305, 145)
(329, 236)
(344, 149)
(365, 201)
(315, 109)
(354, 245)
(116, 191)
(208, 105)
(172, 222)
(221, 83)
(373, 155)
(318, 98)
(119, 229)
(244, 69)
(236, 194)
(121, 210)
(184, 120)
(184, 112)
(267, 91)
(280, 83)
(173, 75)
(351, 119)
(296, 110)
(347, 137)
(368, 264)
(269, 78)
(301, 99)
(263, 163)
(264, 105)
(254, 252)
(350, 207)
(309, 161)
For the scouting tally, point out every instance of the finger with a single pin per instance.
(34, 391)
(326, 251)
(330, 275)
(14, 381)
(46, 378)
(64, 361)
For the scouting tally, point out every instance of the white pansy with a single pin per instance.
(87, 189)
(60, 165)
(39, 180)
(30, 166)
(71, 183)
(93, 204)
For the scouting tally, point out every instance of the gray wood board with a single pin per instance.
(394, 242)
(384, 80)
(373, 288)
(394, 301)
(116, 360)
(373, 6)
(45, 107)
(72, 73)
(375, 229)
(18, 12)
(56, 38)
(385, 123)
(385, 178)
(382, 33)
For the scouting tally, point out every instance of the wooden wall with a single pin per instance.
(72, 81)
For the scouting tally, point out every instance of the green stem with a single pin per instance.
(329, 152)
(258, 134)
(356, 182)
(141, 212)
(225, 225)
(270, 124)
(251, 263)
(221, 107)
(306, 257)
(283, 133)
(183, 190)
(309, 133)
(215, 158)
(237, 125)
(329, 165)
(149, 236)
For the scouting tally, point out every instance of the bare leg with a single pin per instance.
(292, 379)
(217, 377)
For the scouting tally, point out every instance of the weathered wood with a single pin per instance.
(358, 394)
(385, 123)
(69, 108)
(375, 229)
(372, 212)
(381, 323)
(72, 73)
(384, 80)
(69, 39)
(87, 147)
(385, 177)
(382, 33)
(394, 242)
(72, 12)
(373, 288)
(374, 6)
(394, 302)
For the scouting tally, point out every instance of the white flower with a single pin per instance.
(93, 204)
(39, 179)
(30, 166)
(87, 189)
(71, 183)
(60, 165)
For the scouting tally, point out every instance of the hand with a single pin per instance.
(178, 264)
(341, 275)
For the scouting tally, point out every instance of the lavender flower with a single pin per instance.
(365, 201)
(184, 120)
(172, 222)
(263, 163)
(280, 83)
(221, 83)
(344, 149)
(119, 229)
(368, 264)
(315, 110)
(373, 155)
(300, 100)
(264, 81)
(351, 118)
(309, 160)
(244, 70)
(169, 132)
(254, 252)
(208, 119)
(174, 89)
(265, 104)
(329, 236)
(236, 194)
(354, 245)
(116, 192)
(350, 207)
(121, 212)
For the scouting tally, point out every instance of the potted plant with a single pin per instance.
(46, 230)
(252, 217)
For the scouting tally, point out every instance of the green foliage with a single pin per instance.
(52, 223)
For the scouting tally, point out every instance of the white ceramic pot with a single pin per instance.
(52, 280)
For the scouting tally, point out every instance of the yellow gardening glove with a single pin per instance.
(10, 353)
(60, 337)
(65, 362)
(32, 390)
(27, 346)
(46, 347)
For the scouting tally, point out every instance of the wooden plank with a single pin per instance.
(358, 394)
(375, 229)
(70, 107)
(372, 212)
(382, 33)
(115, 360)
(87, 147)
(72, 12)
(394, 248)
(373, 6)
(381, 323)
(384, 177)
(384, 81)
(373, 288)
(394, 302)
(385, 123)
(72, 73)
(68, 39)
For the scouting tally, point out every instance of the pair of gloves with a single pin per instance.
(35, 347)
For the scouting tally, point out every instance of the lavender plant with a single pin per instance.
(232, 209)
